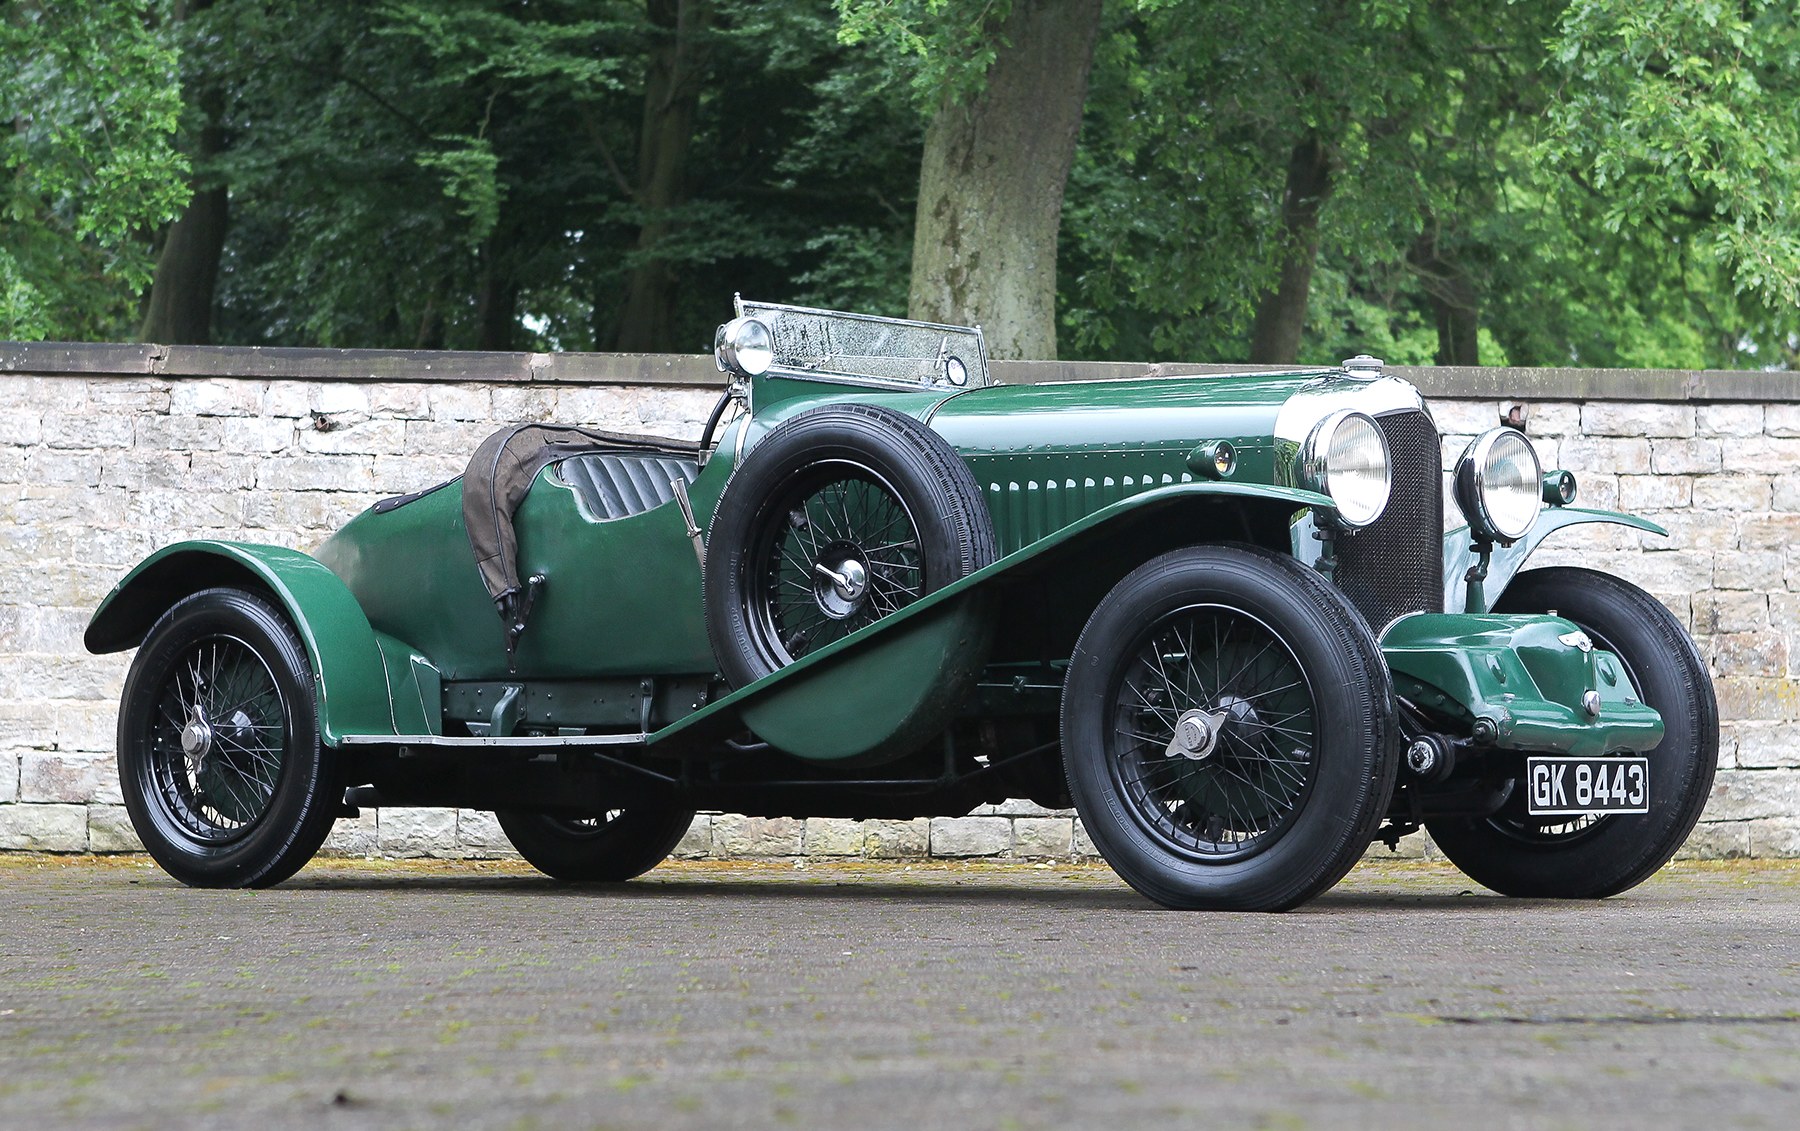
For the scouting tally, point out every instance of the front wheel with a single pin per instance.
(1596, 856)
(606, 848)
(220, 763)
(1228, 730)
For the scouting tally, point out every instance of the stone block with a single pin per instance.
(1758, 697)
(1743, 795)
(9, 776)
(128, 394)
(1605, 456)
(181, 433)
(1467, 418)
(354, 836)
(1734, 611)
(87, 430)
(1747, 569)
(1763, 745)
(1787, 493)
(1747, 653)
(1732, 492)
(43, 828)
(1782, 420)
(370, 437)
(1082, 845)
(109, 830)
(1728, 419)
(1762, 454)
(834, 836)
(479, 835)
(287, 513)
(18, 429)
(1770, 532)
(1716, 840)
(399, 401)
(735, 835)
(696, 843)
(445, 438)
(256, 434)
(971, 836)
(1677, 571)
(1628, 418)
(1776, 837)
(416, 832)
(62, 468)
(1043, 836)
(1654, 492)
(334, 398)
(897, 840)
(1685, 457)
(524, 404)
(138, 470)
(461, 402)
(215, 397)
(287, 399)
(1692, 530)
(402, 475)
(316, 473)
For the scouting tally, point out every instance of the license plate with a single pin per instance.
(1571, 787)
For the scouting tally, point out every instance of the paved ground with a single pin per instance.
(976, 996)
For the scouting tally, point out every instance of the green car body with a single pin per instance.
(611, 691)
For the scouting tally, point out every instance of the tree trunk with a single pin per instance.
(496, 303)
(1455, 302)
(179, 309)
(1281, 313)
(671, 99)
(991, 182)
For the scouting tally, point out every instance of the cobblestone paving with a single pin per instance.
(709, 995)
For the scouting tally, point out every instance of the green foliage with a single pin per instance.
(1685, 110)
(1611, 182)
(91, 89)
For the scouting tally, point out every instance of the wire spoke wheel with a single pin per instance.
(1214, 731)
(220, 759)
(839, 552)
(1228, 730)
(609, 846)
(1591, 856)
(217, 741)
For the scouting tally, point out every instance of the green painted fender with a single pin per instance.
(367, 683)
(878, 689)
(1523, 680)
(1506, 561)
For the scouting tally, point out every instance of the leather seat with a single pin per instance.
(613, 485)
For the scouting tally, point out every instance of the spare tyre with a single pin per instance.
(840, 516)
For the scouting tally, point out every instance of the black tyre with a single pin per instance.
(220, 762)
(838, 517)
(1593, 857)
(608, 848)
(1228, 730)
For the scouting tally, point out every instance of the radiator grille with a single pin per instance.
(1395, 565)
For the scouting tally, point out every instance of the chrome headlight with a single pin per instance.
(1346, 457)
(745, 347)
(1500, 485)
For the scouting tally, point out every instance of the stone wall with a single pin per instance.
(107, 453)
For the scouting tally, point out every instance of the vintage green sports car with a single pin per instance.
(1219, 615)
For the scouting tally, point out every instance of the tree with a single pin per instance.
(1010, 82)
(91, 93)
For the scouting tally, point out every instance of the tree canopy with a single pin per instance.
(1595, 182)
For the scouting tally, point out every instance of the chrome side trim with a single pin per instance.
(563, 741)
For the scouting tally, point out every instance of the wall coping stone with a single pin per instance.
(109, 359)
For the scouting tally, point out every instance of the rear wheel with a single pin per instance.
(1228, 730)
(220, 763)
(1595, 856)
(609, 847)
